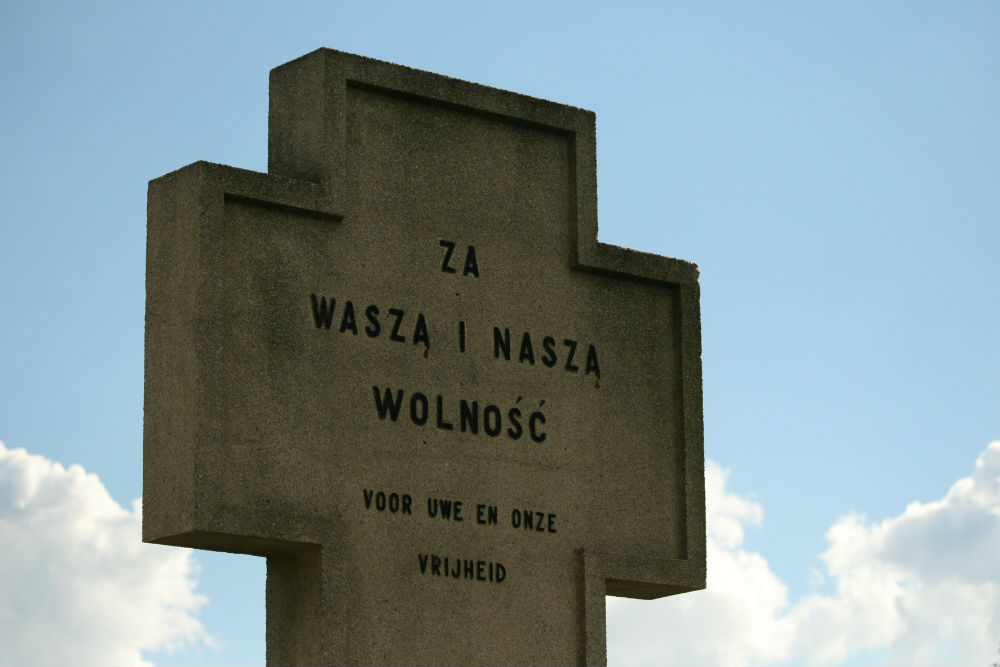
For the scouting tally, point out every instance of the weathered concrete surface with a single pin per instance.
(413, 233)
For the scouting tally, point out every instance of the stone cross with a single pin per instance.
(401, 367)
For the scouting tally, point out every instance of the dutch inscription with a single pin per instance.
(453, 511)
(462, 568)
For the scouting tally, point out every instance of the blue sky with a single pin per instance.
(833, 169)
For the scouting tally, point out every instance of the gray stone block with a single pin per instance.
(401, 367)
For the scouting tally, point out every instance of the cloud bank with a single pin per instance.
(921, 588)
(77, 586)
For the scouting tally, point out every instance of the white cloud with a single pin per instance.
(77, 586)
(920, 588)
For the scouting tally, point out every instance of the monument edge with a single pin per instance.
(187, 202)
(174, 209)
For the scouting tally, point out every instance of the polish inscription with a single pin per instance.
(513, 423)
(398, 325)
(519, 420)
(471, 266)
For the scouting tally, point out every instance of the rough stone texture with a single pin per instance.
(262, 426)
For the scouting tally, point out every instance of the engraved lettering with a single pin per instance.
(420, 334)
(533, 520)
(374, 328)
(529, 351)
(592, 366)
(395, 335)
(514, 431)
(322, 315)
(537, 418)
(501, 343)
(395, 503)
(549, 344)
(471, 267)
(468, 414)
(441, 423)
(446, 509)
(492, 429)
(527, 354)
(418, 408)
(384, 404)
(514, 422)
(486, 514)
(347, 320)
(570, 366)
(449, 248)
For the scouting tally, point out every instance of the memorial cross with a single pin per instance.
(401, 367)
